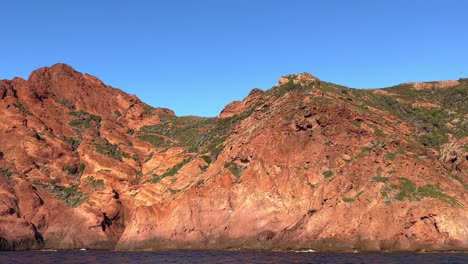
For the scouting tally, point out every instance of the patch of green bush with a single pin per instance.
(84, 120)
(97, 185)
(356, 123)
(434, 191)
(460, 180)
(22, 108)
(172, 191)
(352, 199)
(170, 172)
(197, 134)
(378, 132)
(104, 147)
(407, 190)
(312, 186)
(80, 123)
(381, 179)
(154, 140)
(75, 143)
(69, 194)
(364, 150)
(328, 174)
(235, 169)
(150, 156)
(391, 156)
(64, 102)
(6, 173)
(200, 183)
(206, 158)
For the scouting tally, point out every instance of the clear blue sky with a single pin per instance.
(196, 56)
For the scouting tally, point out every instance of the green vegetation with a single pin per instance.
(206, 158)
(356, 123)
(6, 173)
(434, 191)
(117, 113)
(174, 170)
(352, 199)
(150, 156)
(197, 134)
(104, 147)
(97, 185)
(22, 108)
(381, 179)
(459, 179)
(377, 131)
(138, 174)
(154, 140)
(364, 150)
(64, 102)
(172, 191)
(433, 123)
(407, 190)
(156, 178)
(84, 121)
(96, 118)
(203, 168)
(390, 156)
(328, 174)
(288, 118)
(200, 183)
(80, 123)
(130, 131)
(170, 172)
(75, 143)
(430, 122)
(235, 169)
(71, 170)
(75, 170)
(69, 194)
(393, 155)
(136, 158)
(312, 186)
(290, 86)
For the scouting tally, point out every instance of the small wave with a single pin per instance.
(306, 251)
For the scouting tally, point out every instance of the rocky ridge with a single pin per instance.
(305, 165)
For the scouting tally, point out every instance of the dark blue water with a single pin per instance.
(224, 257)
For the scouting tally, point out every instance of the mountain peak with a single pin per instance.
(58, 72)
(302, 78)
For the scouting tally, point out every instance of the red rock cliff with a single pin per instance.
(306, 164)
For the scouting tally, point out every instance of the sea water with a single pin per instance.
(42, 257)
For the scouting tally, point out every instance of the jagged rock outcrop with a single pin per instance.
(238, 107)
(306, 164)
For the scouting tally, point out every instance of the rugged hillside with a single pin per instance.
(306, 164)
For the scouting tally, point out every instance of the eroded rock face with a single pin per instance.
(455, 155)
(303, 165)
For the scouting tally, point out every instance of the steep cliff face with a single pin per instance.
(306, 164)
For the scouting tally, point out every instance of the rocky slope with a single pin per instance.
(305, 165)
